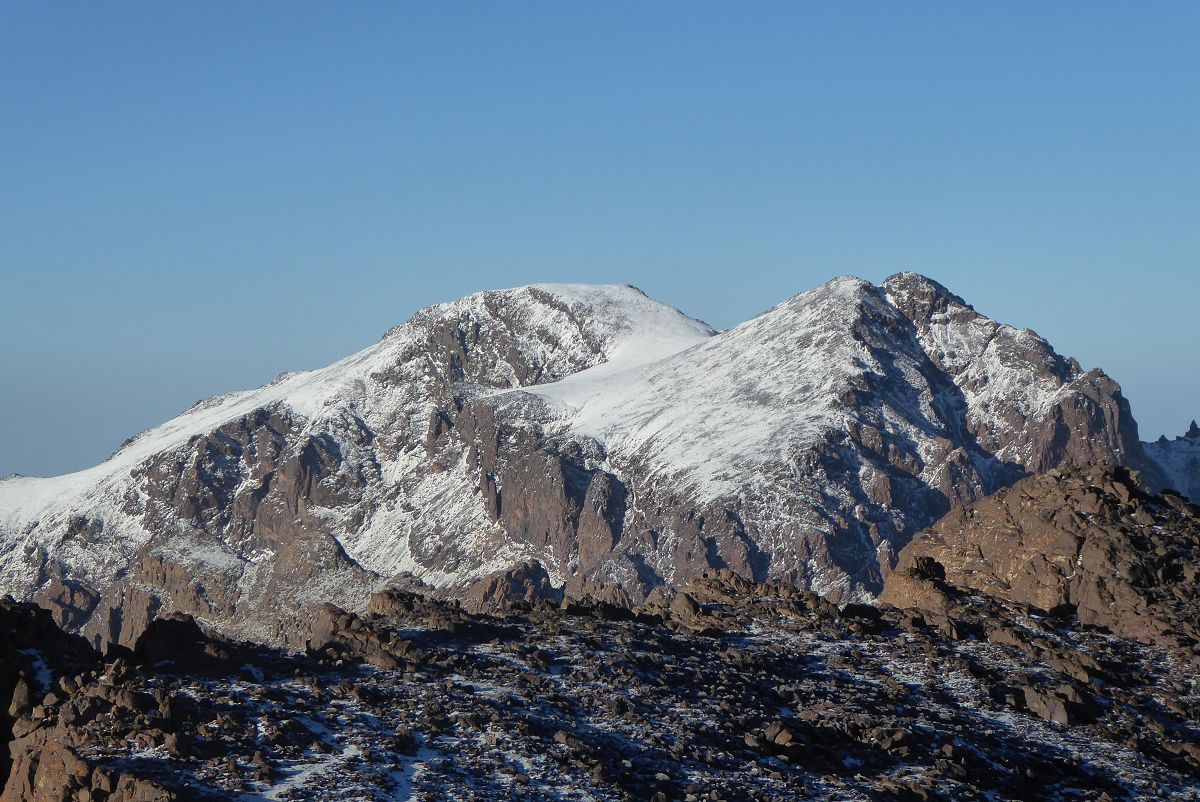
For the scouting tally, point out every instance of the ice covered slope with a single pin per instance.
(612, 439)
(713, 415)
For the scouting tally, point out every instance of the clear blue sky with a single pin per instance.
(196, 197)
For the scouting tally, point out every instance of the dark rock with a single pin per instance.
(179, 642)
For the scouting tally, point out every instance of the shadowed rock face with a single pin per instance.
(1090, 543)
(42, 671)
(611, 440)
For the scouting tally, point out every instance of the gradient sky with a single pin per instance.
(196, 197)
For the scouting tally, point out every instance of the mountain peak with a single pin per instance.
(540, 333)
(842, 292)
(614, 439)
(919, 297)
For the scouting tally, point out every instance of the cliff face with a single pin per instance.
(564, 439)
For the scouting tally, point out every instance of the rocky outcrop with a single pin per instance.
(33, 653)
(177, 643)
(53, 690)
(521, 585)
(1091, 544)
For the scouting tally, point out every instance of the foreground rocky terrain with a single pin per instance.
(956, 687)
(1090, 544)
(591, 435)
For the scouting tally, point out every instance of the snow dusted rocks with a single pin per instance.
(1021, 402)
(563, 439)
(1178, 462)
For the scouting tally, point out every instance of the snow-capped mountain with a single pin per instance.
(1179, 461)
(612, 439)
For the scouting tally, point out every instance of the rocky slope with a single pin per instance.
(559, 438)
(1090, 544)
(727, 690)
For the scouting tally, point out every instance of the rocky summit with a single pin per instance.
(567, 440)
